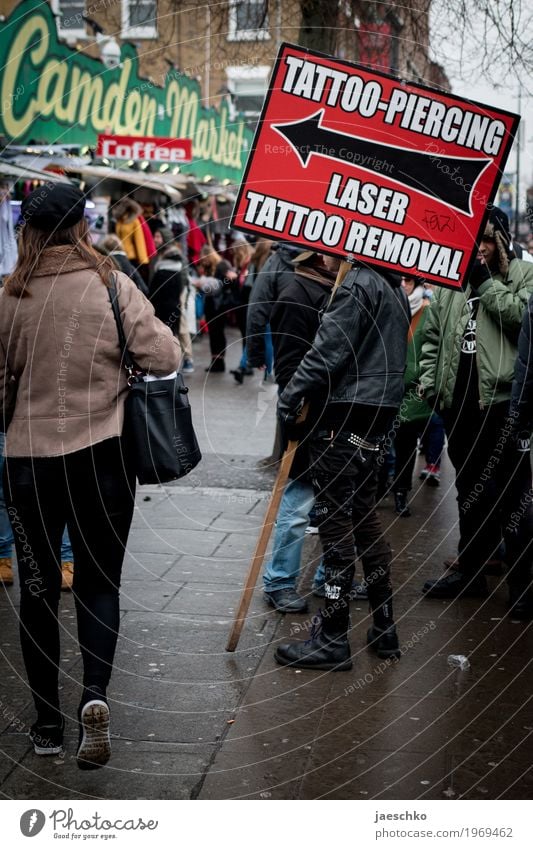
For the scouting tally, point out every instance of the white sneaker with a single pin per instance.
(311, 529)
(94, 749)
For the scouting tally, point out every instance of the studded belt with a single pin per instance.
(352, 438)
(359, 442)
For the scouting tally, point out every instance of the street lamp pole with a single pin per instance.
(517, 190)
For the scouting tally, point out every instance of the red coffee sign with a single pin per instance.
(358, 164)
(148, 149)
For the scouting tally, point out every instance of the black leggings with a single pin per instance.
(91, 491)
(216, 323)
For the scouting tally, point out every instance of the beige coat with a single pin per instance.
(61, 346)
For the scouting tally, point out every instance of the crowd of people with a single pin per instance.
(370, 370)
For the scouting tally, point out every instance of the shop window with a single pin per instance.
(69, 19)
(139, 18)
(248, 85)
(248, 20)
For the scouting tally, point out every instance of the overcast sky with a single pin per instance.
(501, 92)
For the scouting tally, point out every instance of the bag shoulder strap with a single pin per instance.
(127, 360)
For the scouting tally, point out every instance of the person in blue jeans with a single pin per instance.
(282, 570)
(294, 320)
(6, 540)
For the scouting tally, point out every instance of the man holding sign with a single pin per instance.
(353, 379)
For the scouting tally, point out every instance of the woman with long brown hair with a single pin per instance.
(65, 459)
(248, 261)
(215, 282)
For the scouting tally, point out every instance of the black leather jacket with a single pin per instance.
(276, 274)
(360, 350)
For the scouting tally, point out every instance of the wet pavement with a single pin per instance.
(190, 720)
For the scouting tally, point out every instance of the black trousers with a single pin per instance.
(216, 324)
(493, 481)
(91, 491)
(241, 313)
(345, 483)
(405, 442)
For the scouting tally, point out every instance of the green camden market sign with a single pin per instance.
(50, 93)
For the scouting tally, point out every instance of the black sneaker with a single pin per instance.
(400, 505)
(286, 601)
(94, 749)
(384, 641)
(47, 739)
(456, 584)
(317, 653)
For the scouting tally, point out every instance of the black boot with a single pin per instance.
(382, 637)
(400, 505)
(238, 374)
(328, 646)
(323, 651)
(456, 584)
(384, 641)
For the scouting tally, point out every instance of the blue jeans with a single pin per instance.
(434, 440)
(269, 353)
(66, 548)
(282, 571)
(6, 534)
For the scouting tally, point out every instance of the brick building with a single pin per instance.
(230, 47)
(75, 69)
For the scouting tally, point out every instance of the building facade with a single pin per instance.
(178, 68)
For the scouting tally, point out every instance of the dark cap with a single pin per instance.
(53, 206)
(498, 222)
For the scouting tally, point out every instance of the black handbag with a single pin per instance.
(158, 428)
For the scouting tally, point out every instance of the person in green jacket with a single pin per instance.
(466, 370)
(415, 414)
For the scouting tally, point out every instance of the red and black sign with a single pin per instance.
(147, 148)
(355, 163)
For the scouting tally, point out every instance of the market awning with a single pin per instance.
(21, 172)
(136, 178)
